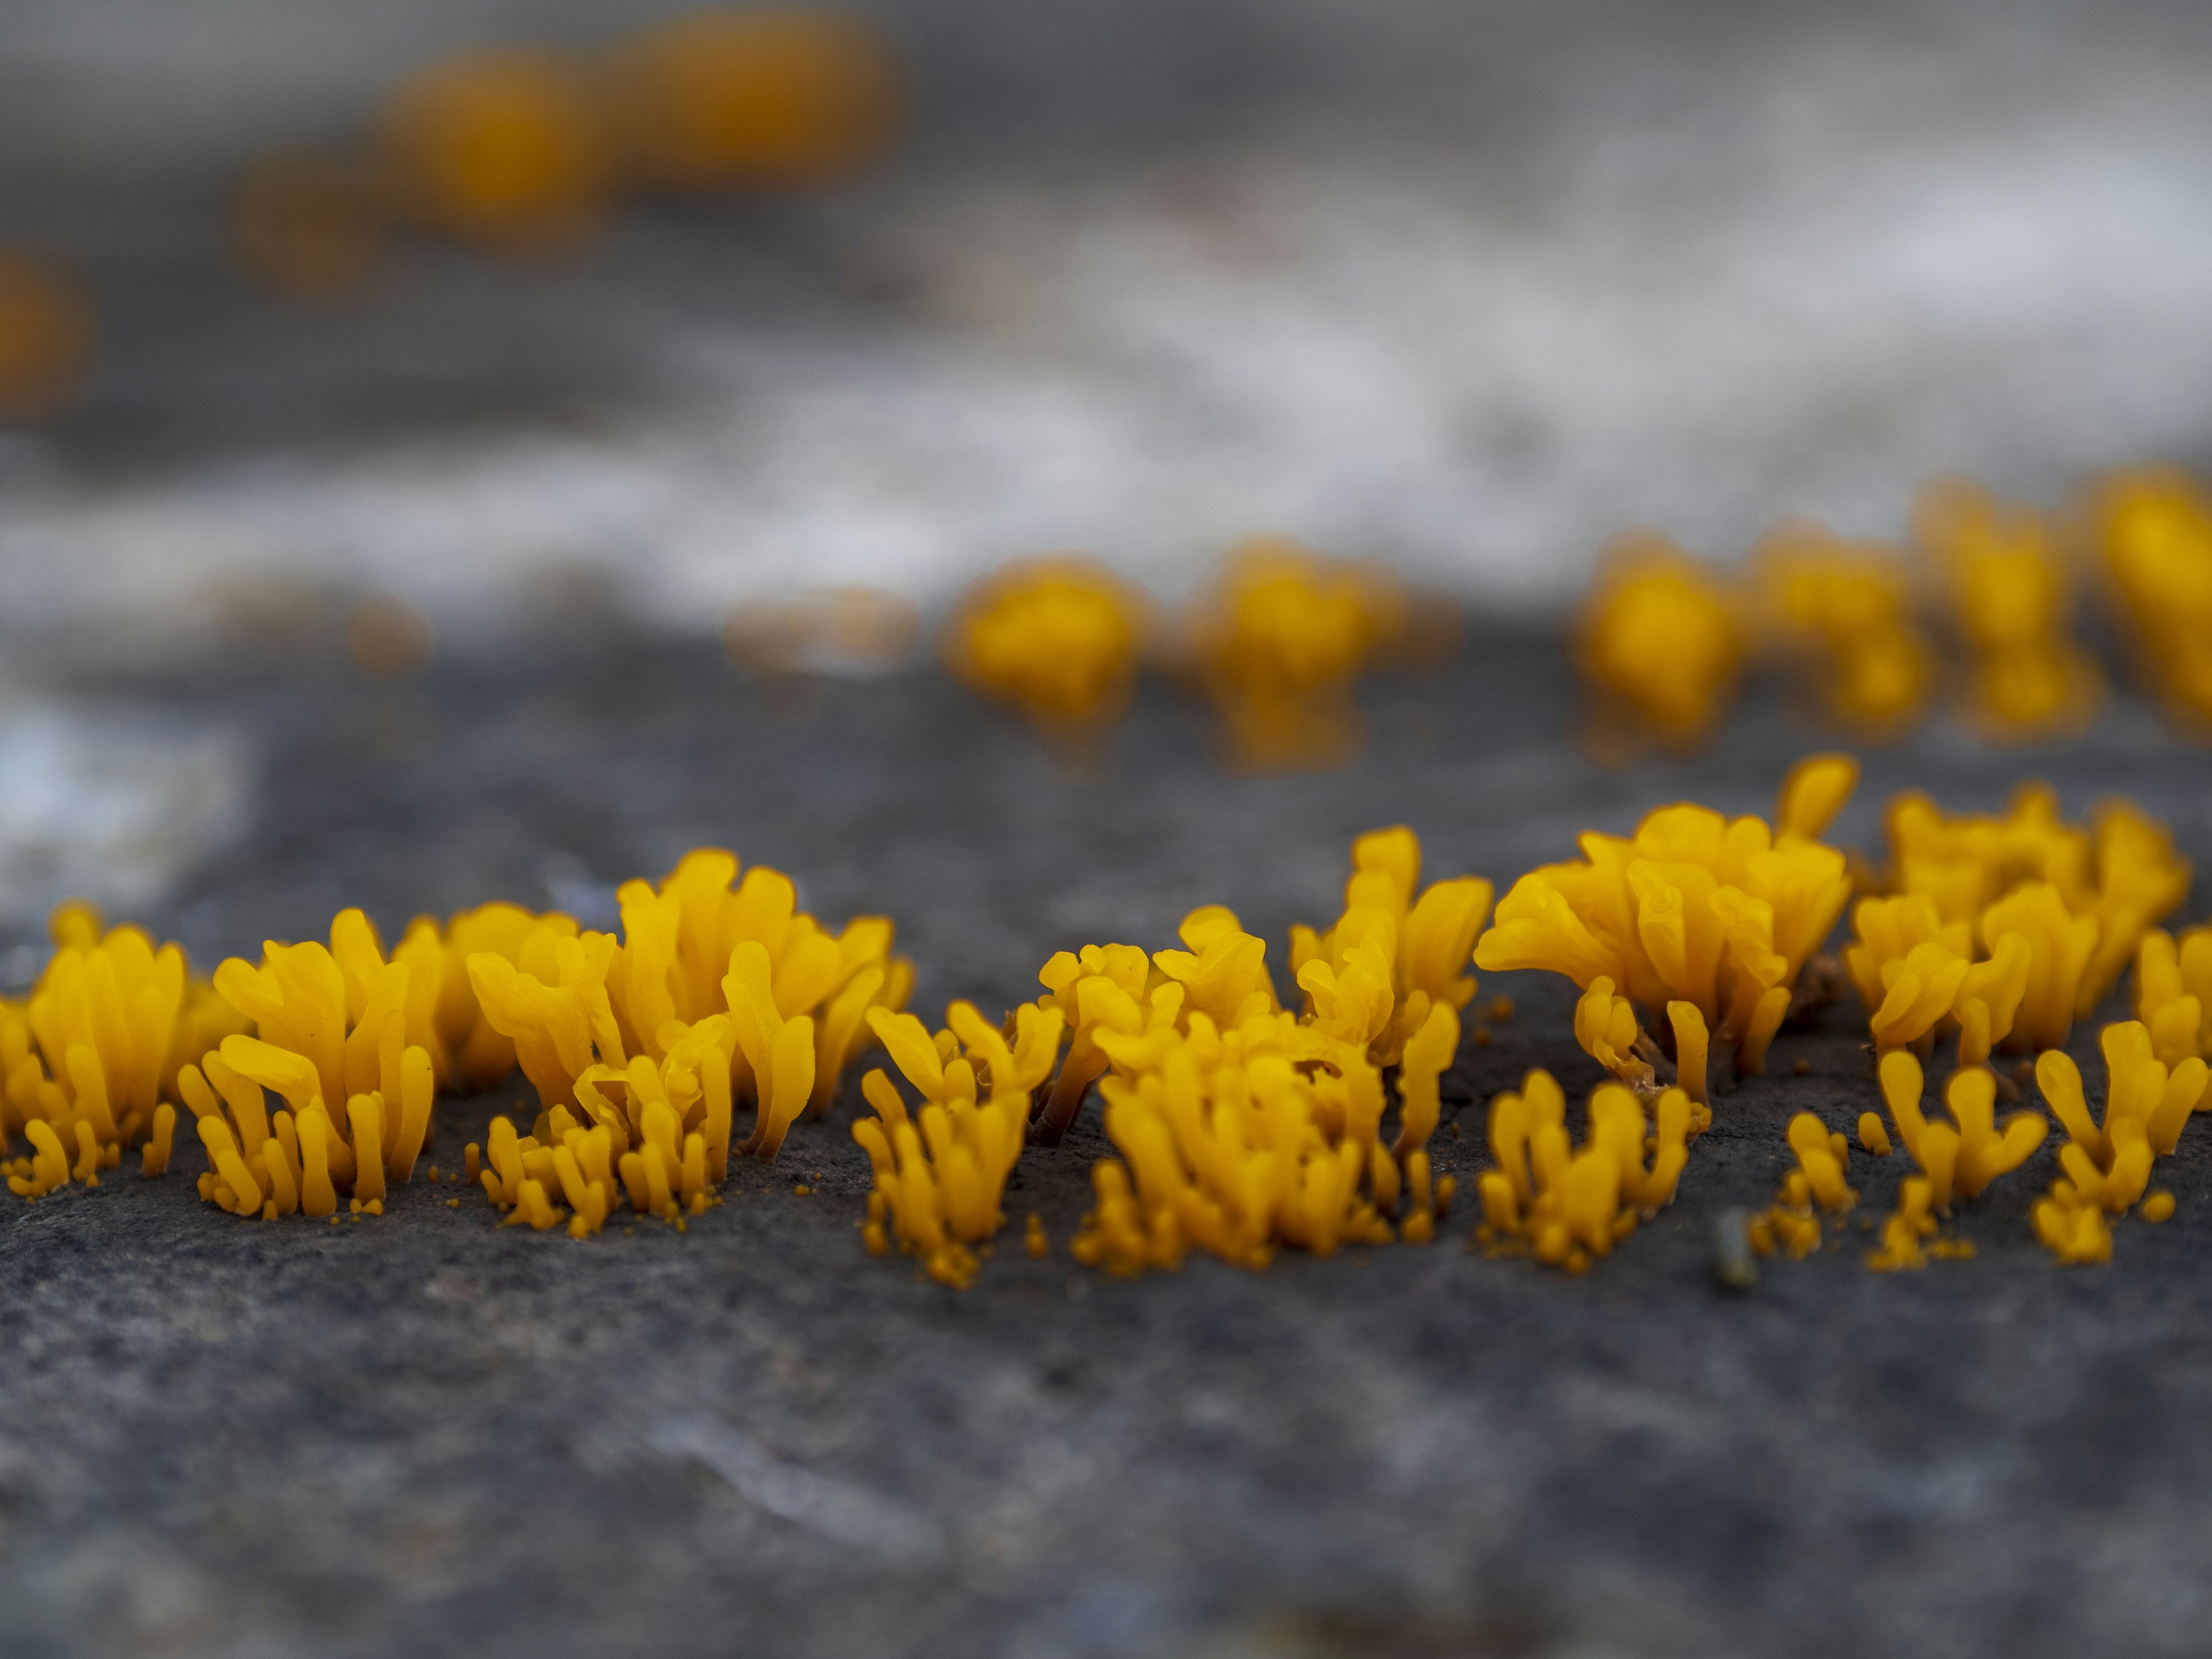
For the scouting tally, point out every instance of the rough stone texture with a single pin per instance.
(429, 1434)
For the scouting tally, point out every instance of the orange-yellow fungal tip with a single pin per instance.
(724, 99)
(1842, 612)
(1823, 1167)
(1872, 1136)
(1658, 642)
(2158, 1206)
(1717, 913)
(1034, 1239)
(2152, 534)
(1056, 639)
(507, 150)
(1562, 1201)
(2010, 591)
(2006, 929)
(156, 1158)
(45, 337)
(452, 1203)
(308, 225)
(1280, 643)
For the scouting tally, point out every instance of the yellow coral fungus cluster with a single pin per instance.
(1845, 608)
(1957, 1159)
(1058, 638)
(2008, 928)
(1659, 642)
(1707, 918)
(1280, 645)
(941, 1170)
(2010, 594)
(89, 1062)
(2107, 1165)
(2153, 530)
(2173, 992)
(1570, 1206)
(703, 959)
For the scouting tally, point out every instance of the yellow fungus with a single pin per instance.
(1825, 1161)
(1963, 1156)
(1058, 638)
(1904, 1231)
(46, 336)
(1716, 913)
(2157, 1208)
(504, 149)
(1872, 1137)
(2153, 534)
(1561, 1202)
(1034, 1240)
(2173, 992)
(1658, 642)
(1397, 951)
(1841, 612)
(722, 99)
(2009, 588)
(1280, 643)
(2145, 1106)
(95, 1048)
(2007, 929)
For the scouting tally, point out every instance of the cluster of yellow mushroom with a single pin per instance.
(1660, 643)
(1957, 1159)
(527, 150)
(2006, 928)
(1570, 1206)
(2173, 992)
(2153, 532)
(2107, 1166)
(1840, 612)
(89, 1061)
(1706, 918)
(1059, 640)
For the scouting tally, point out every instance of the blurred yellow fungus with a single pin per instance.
(1057, 639)
(1569, 1205)
(2157, 1208)
(1279, 646)
(722, 99)
(388, 637)
(1658, 642)
(90, 1059)
(506, 150)
(308, 225)
(1842, 611)
(2006, 928)
(1906, 1229)
(2010, 591)
(1715, 913)
(1034, 1240)
(46, 336)
(2153, 530)
(1872, 1137)
(941, 1170)
(1788, 1226)
(2173, 992)
(1397, 950)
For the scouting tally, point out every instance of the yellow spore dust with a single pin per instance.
(2152, 530)
(1058, 639)
(506, 149)
(45, 337)
(94, 1053)
(1397, 951)
(1840, 613)
(1718, 914)
(2107, 1166)
(2006, 928)
(1280, 645)
(702, 959)
(2010, 595)
(1570, 1206)
(723, 99)
(941, 1170)
(1659, 644)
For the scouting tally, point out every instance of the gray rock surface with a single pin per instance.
(428, 1433)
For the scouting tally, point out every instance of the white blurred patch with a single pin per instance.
(113, 806)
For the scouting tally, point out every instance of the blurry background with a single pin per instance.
(1466, 286)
